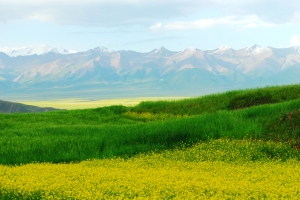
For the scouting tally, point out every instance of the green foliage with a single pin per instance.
(147, 116)
(76, 135)
(112, 110)
(285, 128)
(8, 195)
(238, 151)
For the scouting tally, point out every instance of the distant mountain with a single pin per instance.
(50, 73)
(10, 107)
(161, 52)
(35, 50)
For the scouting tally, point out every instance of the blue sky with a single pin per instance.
(143, 25)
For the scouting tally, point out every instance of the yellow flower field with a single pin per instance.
(166, 175)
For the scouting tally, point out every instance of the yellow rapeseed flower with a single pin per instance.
(178, 174)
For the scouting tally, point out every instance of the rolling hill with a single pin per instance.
(10, 107)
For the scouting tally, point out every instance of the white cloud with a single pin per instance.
(249, 21)
(156, 26)
(143, 12)
(295, 40)
(203, 23)
(296, 17)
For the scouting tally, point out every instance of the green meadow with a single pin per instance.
(262, 114)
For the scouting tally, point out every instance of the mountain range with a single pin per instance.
(45, 72)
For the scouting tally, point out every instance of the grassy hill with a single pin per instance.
(10, 107)
(270, 113)
(231, 100)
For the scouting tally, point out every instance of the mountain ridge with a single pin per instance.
(158, 71)
(44, 49)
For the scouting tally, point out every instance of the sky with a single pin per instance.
(143, 25)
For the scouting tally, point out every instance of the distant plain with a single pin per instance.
(77, 103)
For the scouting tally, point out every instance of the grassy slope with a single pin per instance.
(63, 136)
(231, 100)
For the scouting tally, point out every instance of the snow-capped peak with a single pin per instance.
(34, 50)
(59, 51)
(222, 49)
(191, 49)
(161, 49)
(161, 52)
(102, 49)
(158, 51)
(254, 49)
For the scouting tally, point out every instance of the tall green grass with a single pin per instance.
(231, 100)
(66, 136)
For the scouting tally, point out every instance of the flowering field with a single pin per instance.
(218, 169)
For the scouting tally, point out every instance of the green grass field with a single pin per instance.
(241, 127)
